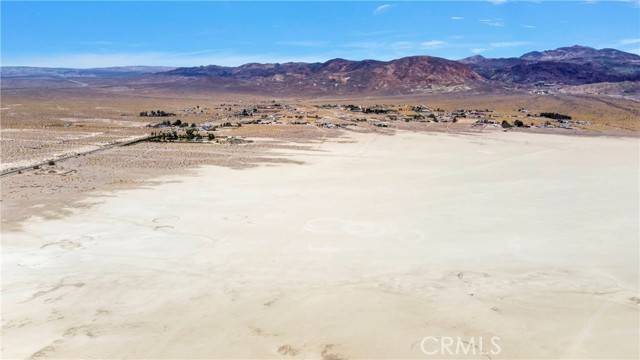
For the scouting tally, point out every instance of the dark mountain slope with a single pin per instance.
(405, 75)
(573, 65)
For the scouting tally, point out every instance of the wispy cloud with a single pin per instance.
(505, 44)
(498, 45)
(364, 45)
(432, 44)
(497, 2)
(96, 43)
(302, 43)
(374, 33)
(457, 18)
(382, 9)
(629, 41)
(402, 45)
(528, 26)
(492, 22)
(397, 45)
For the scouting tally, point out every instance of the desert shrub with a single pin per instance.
(51, 162)
(555, 116)
(505, 124)
(178, 122)
(156, 113)
(518, 123)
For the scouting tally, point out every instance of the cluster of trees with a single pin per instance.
(375, 110)
(517, 123)
(367, 110)
(156, 113)
(248, 112)
(555, 116)
(229, 124)
(189, 135)
(177, 123)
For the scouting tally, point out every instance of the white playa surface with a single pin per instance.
(361, 252)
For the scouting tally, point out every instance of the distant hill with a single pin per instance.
(566, 66)
(582, 54)
(405, 75)
(107, 72)
(573, 65)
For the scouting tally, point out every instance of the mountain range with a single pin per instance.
(405, 75)
(106, 72)
(575, 65)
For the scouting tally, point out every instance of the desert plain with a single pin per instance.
(317, 241)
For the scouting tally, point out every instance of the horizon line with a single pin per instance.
(278, 62)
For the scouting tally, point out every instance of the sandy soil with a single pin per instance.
(359, 249)
(51, 191)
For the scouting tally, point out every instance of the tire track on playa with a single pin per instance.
(581, 338)
(159, 229)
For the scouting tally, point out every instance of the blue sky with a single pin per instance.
(96, 34)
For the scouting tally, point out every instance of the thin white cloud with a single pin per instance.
(396, 46)
(374, 33)
(497, 2)
(97, 43)
(402, 45)
(302, 43)
(432, 44)
(629, 41)
(498, 45)
(529, 26)
(504, 44)
(492, 22)
(364, 45)
(457, 18)
(382, 9)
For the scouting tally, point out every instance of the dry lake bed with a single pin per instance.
(366, 246)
